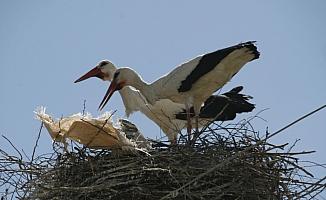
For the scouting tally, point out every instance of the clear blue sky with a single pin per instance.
(46, 45)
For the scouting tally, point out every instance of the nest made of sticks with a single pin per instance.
(226, 162)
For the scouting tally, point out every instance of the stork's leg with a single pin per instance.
(189, 127)
(196, 118)
(197, 111)
(173, 140)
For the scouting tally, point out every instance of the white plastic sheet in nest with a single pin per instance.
(92, 132)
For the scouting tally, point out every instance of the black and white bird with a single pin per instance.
(192, 82)
(169, 116)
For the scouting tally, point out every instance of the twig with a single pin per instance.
(296, 121)
(84, 107)
(12, 145)
(238, 154)
(37, 140)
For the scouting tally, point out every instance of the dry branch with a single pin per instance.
(226, 162)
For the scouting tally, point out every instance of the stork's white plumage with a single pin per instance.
(170, 116)
(192, 82)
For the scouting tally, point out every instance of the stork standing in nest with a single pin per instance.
(192, 82)
(170, 116)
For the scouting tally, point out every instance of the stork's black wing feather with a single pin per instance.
(209, 61)
(222, 107)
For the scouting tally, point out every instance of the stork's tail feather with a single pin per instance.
(234, 94)
(251, 46)
(235, 90)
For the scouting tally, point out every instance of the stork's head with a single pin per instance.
(122, 77)
(104, 70)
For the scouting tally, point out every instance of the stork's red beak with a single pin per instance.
(95, 72)
(112, 88)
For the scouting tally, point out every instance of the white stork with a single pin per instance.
(192, 82)
(170, 116)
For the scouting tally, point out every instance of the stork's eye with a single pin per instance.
(102, 63)
(116, 75)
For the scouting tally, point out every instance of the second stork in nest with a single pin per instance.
(170, 116)
(192, 82)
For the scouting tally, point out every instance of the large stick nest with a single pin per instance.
(226, 162)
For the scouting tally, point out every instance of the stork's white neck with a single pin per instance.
(132, 100)
(146, 89)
